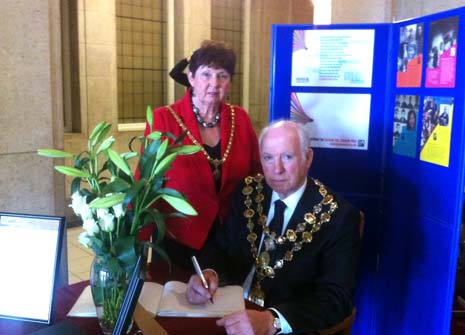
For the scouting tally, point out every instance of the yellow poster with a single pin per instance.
(436, 130)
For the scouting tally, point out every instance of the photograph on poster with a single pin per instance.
(410, 56)
(336, 121)
(332, 58)
(442, 53)
(436, 130)
(404, 134)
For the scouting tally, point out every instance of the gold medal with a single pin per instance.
(328, 199)
(307, 237)
(310, 218)
(264, 259)
(291, 235)
(252, 237)
(256, 295)
(249, 213)
(247, 190)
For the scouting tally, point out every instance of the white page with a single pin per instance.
(228, 299)
(149, 298)
(19, 296)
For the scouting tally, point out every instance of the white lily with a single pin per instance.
(85, 240)
(106, 219)
(91, 227)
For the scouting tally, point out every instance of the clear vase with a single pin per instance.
(109, 283)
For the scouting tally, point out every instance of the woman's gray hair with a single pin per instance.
(303, 135)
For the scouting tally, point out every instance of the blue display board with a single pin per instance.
(384, 108)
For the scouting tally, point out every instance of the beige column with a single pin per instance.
(31, 115)
(405, 9)
(99, 73)
(361, 11)
(31, 112)
(192, 25)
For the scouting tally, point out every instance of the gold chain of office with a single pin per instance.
(311, 224)
(216, 163)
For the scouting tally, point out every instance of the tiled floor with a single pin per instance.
(79, 257)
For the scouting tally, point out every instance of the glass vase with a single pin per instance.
(109, 283)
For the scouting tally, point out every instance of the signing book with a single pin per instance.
(170, 300)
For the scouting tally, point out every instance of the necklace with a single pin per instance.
(311, 224)
(201, 121)
(216, 163)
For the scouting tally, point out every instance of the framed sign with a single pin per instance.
(30, 249)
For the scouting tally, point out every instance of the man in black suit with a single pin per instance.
(304, 272)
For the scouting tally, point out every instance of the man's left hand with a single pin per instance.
(248, 322)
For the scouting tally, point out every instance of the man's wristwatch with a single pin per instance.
(276, 321)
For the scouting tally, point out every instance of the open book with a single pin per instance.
(170, 300)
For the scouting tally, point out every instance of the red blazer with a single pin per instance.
(192, 176)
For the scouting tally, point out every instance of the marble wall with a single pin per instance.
(30, 109)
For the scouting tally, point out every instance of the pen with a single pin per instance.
(200, 274)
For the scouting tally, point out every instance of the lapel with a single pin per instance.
(309, 198)
(187, 116)
(225, 126)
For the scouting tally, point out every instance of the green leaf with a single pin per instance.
(80, 162)
(171, 191)
(101, 134)
(98, 128)
(72, 172)
(125, 252)
(165, 164)
(186, 149)
(133, 191)
(117, 185)
(119, 161)
(149, 116)
(53, 153)
(129, 155)
(161, 151)
(107, 202)
(155, 217)
(75, 185)
(179, 204)
(106, 144)
(155, 135)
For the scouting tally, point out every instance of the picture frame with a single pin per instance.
(30, 252)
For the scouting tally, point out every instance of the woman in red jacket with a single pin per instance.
(229, 149)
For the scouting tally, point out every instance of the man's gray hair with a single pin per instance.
(303, 135)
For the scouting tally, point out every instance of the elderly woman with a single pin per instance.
(229, 149)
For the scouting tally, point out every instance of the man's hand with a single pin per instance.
(248, 322)
(196, 293)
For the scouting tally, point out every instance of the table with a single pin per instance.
(67, 296)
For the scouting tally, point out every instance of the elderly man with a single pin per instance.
(290, 241)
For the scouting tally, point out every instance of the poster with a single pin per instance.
(410, 56)
(404, 133)
(336, 121)
(436, 130)
(442, 53)
(332, 58)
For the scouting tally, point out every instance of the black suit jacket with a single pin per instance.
(315, 290)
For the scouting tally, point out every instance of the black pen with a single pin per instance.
(200, 274)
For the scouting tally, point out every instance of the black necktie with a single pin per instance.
(276, 223)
